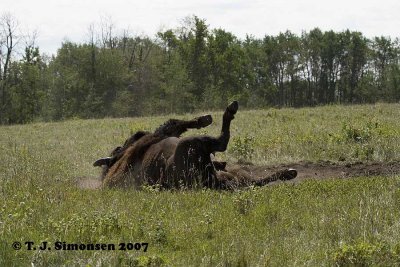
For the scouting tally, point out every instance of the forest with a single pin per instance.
(115, 73)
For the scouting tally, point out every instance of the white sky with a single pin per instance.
(57, 20)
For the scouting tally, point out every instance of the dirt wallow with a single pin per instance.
(166, 159)
(328, 169)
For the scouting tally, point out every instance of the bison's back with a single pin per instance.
(128, 171)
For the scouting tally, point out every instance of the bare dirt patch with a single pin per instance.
(305, 170)
(88, 182)
(327, 169)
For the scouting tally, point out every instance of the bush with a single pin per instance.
(243, 148)
(366, 254)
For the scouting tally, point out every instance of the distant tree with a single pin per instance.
(356, 63)
(311, 64)
(283, 65)
(384, 61)
(8, 41)
(26, 91)
(197, 64)
(227, 68)
(176, 85)
(258, 81)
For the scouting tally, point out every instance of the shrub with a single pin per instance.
(366, 254)
(243, 148)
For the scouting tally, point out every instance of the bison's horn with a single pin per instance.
(102, 161)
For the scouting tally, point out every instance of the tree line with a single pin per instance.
(189, 68)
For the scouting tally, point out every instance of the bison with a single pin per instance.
(166, 159)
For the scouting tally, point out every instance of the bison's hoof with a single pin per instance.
(204, 121)
(288, 174)
(233, 107)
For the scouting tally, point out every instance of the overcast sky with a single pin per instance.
(57, 20)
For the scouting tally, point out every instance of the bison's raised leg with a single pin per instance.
(191, 162)
(220, 143)
(174, 127)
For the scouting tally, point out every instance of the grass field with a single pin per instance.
(351, 222)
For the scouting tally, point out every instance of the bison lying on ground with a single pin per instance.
(171, 161)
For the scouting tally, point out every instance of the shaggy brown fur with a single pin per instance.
(166, 159)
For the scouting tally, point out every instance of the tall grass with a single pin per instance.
(334, 222)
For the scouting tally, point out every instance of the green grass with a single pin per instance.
(314, 223)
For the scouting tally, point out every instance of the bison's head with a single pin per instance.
(117, 153)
